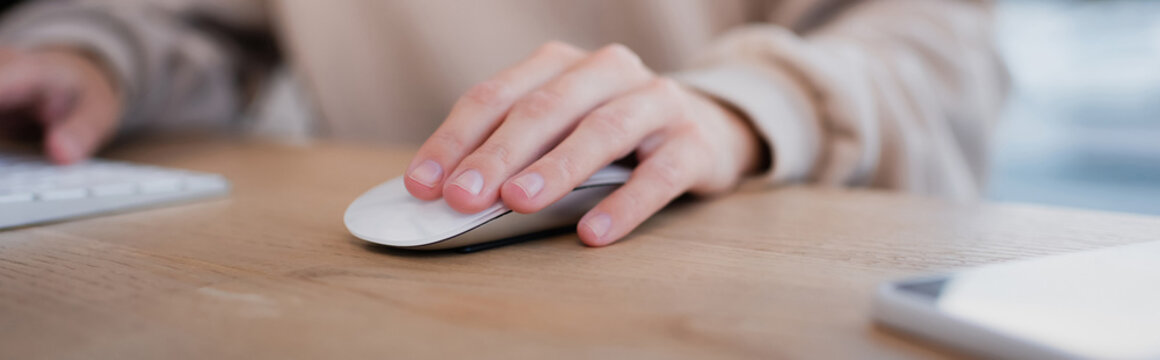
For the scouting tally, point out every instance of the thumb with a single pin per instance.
(51, 97)
(78, 109)
(48, 94)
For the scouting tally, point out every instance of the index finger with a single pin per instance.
(478, 113)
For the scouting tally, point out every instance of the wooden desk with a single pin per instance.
(271, 272)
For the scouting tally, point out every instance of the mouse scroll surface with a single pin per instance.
(387, 214)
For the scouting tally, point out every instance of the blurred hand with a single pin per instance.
(68, 95)
(535, 131)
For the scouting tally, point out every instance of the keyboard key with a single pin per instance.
(206, 182)
(120, 189)
(6, 198)
(160, 185)
(62, 194)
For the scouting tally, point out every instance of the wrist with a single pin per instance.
(751, 155)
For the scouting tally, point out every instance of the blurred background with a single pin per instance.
(1082, 128)
(1083, 123)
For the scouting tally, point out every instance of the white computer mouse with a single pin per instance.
(387, 214)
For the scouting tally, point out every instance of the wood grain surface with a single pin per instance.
(270, 272)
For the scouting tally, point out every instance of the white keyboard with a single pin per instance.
(35, 191)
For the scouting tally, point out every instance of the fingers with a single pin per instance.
(606, 134)
(538, 130)
(538, 121)
(476, 115)
(67, 94)
(81, 130)
(656, 181)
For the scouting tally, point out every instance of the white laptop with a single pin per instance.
(1102, 304)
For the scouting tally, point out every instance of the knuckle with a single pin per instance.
(490, 94)
(558, 49)
(698, 151)
(688, 130)
(670, 95)
(666, 87)
(619, 54)
(539, 103)
(698, 140)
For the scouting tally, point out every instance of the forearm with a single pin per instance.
(898, 94)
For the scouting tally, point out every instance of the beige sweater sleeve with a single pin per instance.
(177, 63)
(898, 94)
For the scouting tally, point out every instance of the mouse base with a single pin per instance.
(473, 248)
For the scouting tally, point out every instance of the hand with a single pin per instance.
(535, 131)
(68, 95)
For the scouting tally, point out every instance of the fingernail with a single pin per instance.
(599, 225)
(531, 183)
(470, 180)
(427, 173)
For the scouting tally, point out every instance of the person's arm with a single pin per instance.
(894, 93)
(167, 63)
(899, 94)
